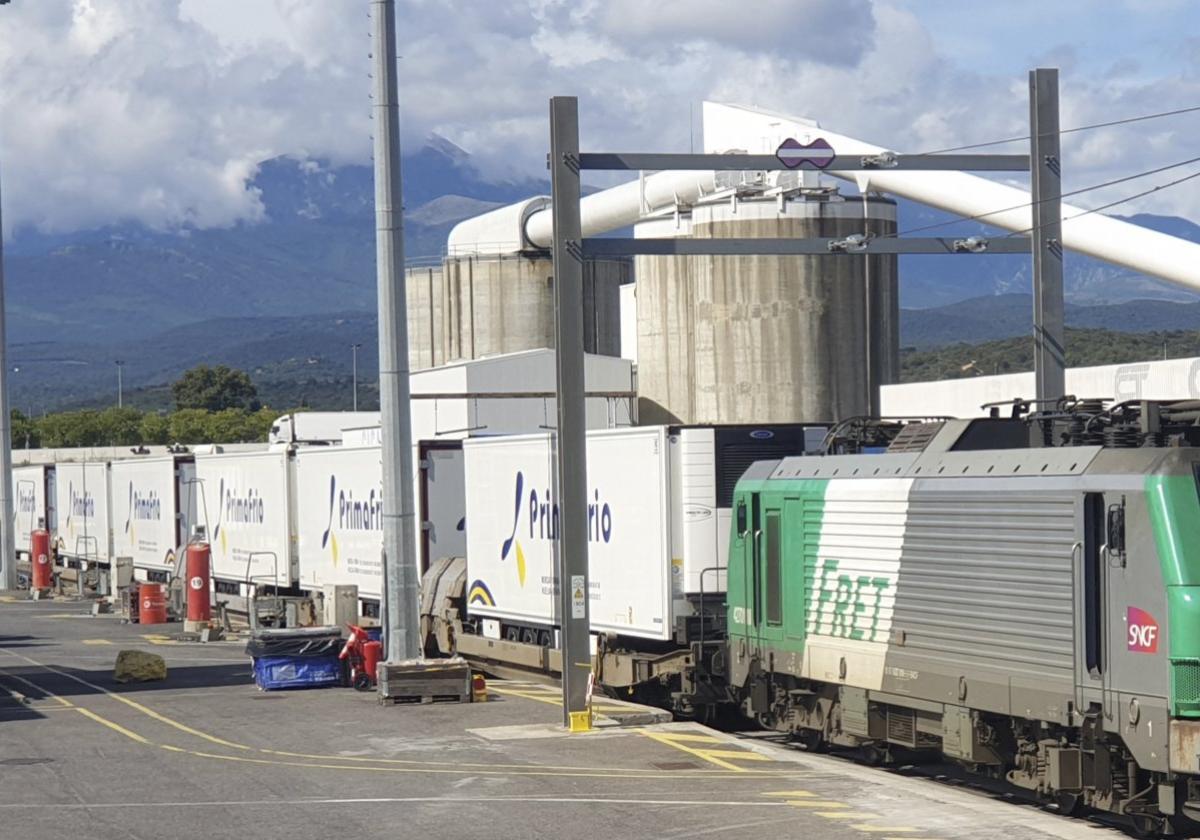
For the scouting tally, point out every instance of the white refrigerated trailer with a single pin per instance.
(82, 499)
(245, 505)
(659, 501)
(34, 503)
(154, 509)
(338, 498)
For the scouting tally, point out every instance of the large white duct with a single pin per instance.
(1141, 249)
(527, 225)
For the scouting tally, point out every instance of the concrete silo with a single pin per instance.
(768, 339)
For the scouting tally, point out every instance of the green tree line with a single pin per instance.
(212, 405)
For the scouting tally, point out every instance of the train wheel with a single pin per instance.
(1069, 804)
(812, 740)
(872, 756)
(1145, 825)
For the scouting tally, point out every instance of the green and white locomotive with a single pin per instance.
(1021, 594)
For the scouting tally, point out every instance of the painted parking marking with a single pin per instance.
(871, 828)
(97, 642)
(817, 803)
(686, 742)
(790, 794)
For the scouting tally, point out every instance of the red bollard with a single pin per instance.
(39, 558)
(199, 598)
(372, 653)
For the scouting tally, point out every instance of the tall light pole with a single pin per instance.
(401, 587)
(120, 363)
(354, 372)
(8, 551)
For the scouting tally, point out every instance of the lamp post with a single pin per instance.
(8, 551)
(354, 373)
(120, 390)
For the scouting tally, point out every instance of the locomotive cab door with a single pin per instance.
(1092, 674)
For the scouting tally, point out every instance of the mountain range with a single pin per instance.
(286, 297)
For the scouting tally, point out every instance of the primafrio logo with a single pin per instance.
(79, 504)
(26, 500)
(145, 507)
(542, 518)
(1141, 631)
(543, 521)
(352, 515)
(241, 508)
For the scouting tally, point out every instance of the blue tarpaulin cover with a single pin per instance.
(277, 672)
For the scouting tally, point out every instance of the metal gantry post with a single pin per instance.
(1045, 171)
(571, 448)
(402, 631)
(8, 557)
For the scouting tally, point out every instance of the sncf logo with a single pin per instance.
(1142, 632)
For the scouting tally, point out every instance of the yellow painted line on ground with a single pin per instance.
(7, 599)
(116, 727)
(790, 794)
(872, 828)
(846, 815)
(694, 737)
(717, 757)
(817, 803)
(97, 642)
(738, 755)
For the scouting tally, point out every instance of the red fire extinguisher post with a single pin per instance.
(199, 599)
(39, 557)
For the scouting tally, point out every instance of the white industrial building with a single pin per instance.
(1170, 379)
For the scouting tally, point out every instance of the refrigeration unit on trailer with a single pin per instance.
(82, 500)
(338, 496)
(154, 504)
(244, 505)
(33, 496)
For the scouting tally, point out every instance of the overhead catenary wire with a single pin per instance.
(1080, 191)
(1090, 127)
(1119, 201)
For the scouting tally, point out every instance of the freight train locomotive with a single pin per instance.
(1020, 594)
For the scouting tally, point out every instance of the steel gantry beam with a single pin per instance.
(569, 249)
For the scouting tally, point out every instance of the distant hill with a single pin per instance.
(1002, 316)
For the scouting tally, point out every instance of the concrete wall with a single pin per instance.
(484, 306)
(767, 339)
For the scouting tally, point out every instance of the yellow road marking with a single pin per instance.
(694, 737)
(88, 713)
(881, 829)
(817, 803)
(97, 642)
(791, 794)
(843, 815)
(740, 755)
(7, 599)
(717, 757)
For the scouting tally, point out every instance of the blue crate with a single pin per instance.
(272, 673)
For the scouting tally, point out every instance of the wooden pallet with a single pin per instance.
(425, 681)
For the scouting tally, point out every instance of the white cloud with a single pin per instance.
(157, 110)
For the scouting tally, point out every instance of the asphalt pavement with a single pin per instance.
(204, 754)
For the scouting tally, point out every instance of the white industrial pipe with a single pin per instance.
(622, 206)
(1141, 249)
(733, 127)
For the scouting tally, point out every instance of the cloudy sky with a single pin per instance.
(159, 110)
